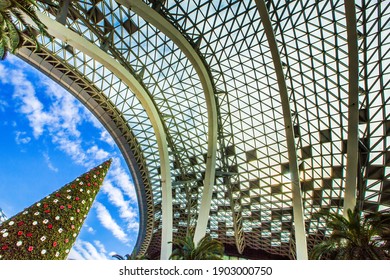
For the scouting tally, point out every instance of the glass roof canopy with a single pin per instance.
(252, 201)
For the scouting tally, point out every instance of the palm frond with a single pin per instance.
(13, 14)
(5, 4)
(3, 53)
(206, 249)
(14, 37)
(323, 249)
(119, 257)
(355, 237)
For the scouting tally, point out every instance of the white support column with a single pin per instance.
(299, 222)
(59, 31)
(353, 108)
(154, 18)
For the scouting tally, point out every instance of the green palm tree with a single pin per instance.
(133, 256)
(206, 249)
(355, 237)
(12, 14)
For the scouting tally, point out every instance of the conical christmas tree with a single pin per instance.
(47, 229)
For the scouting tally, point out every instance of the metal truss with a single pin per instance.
(327, 55)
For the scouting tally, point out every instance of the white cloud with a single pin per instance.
(72, 147)
(97, 153)
(3, 74)
(49, 163)
(95, 253)
(65, 132)
(3, 104)
(91, 230)
(59, 120)
(65, 108)
(109, 223)
(120, 178)
(74, 254)
(84, 250)
(126, 211)
(121, 193)
(24, 92)
(100, 246)
(21, 138)
(106, 137)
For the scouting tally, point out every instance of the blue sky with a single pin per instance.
(47, 139)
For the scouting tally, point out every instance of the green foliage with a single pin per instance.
(206, 249)
(12, 14)
(133, 257)
(48, 228)
(355, 237)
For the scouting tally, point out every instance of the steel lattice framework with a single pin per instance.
(236, 118)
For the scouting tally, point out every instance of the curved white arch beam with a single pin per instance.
(166, 27)
(353, 108)
(98, 106)
(299, 222)
(59, 31)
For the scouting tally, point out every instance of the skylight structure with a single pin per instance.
(240, 119)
